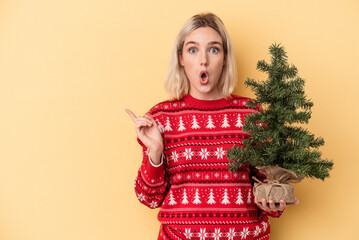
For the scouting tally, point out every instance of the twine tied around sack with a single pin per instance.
(277, 187)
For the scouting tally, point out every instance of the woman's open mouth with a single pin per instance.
(204, 77)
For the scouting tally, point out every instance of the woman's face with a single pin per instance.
(203, 59)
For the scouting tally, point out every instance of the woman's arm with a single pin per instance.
(151, 183)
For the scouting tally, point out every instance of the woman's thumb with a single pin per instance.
(149, 117)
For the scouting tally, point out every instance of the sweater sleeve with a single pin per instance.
(151, 182)
(261, 177)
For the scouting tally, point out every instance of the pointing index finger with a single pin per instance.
(132, 115)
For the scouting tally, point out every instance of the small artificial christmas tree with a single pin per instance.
(276, 139)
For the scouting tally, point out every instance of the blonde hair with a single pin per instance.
(176, 83)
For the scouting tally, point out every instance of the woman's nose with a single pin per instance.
(204, 60)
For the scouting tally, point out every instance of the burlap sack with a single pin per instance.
(277, 187)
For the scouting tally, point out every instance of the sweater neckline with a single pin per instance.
(206, 103)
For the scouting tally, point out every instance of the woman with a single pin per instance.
(185, 142)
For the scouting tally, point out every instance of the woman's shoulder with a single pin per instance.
(240, 100)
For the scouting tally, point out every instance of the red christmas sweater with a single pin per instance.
(199, 197)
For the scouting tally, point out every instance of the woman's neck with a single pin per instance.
(215, 95)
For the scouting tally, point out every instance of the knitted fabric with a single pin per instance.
(199, 197)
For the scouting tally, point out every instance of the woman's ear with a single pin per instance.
(180, 58)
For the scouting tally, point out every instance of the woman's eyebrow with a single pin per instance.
(215, 42)
(191, 42)
(210, 43)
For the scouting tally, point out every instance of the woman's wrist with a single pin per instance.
(155, 155)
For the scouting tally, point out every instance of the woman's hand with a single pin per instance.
(148, 132)
(272, 207)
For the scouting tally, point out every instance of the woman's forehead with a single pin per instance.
(203, 35)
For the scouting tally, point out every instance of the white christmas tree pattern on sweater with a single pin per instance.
(181, 126)
(172, 199)
(239, 121)
(249, 197)
(225, 197)
(225, 123)
(210, 124)
(195, 123)
(184, 197)
(196, 198)
(160, 126)
(211, 197)
(239, 197)
(168, 125)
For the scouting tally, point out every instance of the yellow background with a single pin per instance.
(68, 69)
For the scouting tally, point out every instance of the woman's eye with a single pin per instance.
(214, 50)
(192, 50)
